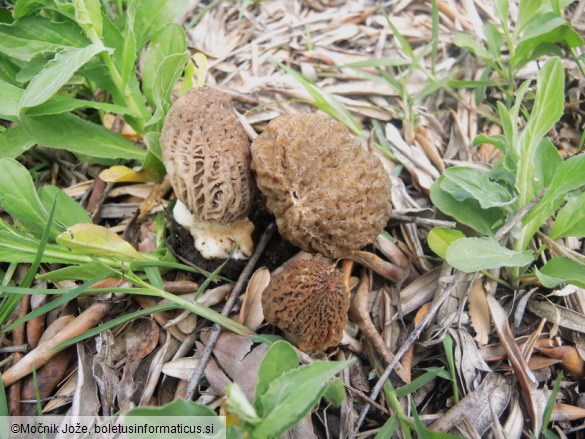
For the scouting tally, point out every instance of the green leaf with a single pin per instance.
(154, 14)
(476, 254)
(10, 96)
(335, 392)
(169, 40)
(291, 396)
(21, 248)
(547, 110)
(56, 74)
(570, 220)
(88, 15)
(494, 40)
(561, 270)
(19, 198)
(178, 407)
(88, 238)
(468, 212)
(546, 161)
(280, 358)
(570, 175)
(63, 104)
(440, 238)
(239, 404)
(68, 211)
(463, 182)
(81, 272)
(389, 428)
(498, 141)
(419, 382)
(466, 41)
(69, 132)
(14, 141)
(31, 36)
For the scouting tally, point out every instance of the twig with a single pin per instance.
(414, 335)
(422, 220)
(515, 219)
(216, 329)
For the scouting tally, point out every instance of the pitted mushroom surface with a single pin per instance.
(328, 194)
(207, 156)
(308, 301)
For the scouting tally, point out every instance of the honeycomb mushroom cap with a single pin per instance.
(328, 194)
(308, 301)
(207, 156)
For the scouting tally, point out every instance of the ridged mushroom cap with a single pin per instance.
(207, 156)
(328, 194)
(308, 301)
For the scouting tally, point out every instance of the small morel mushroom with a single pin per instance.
(308, 302)
(328, 194)
(207, 156)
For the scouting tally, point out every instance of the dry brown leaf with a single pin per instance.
(514, 422)
(251, 313)
(558, 315)
(569, 357)
(494, 391)
(181, 368)
(479, 312)
(379, 265)
(527, 381)
(85, 398)
(566, 412)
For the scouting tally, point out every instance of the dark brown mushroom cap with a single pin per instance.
(207, 156)
(308, 301)
(328, 194)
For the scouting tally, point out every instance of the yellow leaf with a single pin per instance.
(97, 240)
(123, 174)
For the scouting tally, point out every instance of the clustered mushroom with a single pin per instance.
(308, 301)
(328, 194)
(207, 156)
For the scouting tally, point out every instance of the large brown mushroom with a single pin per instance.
(308, 301)
(328, 194)
(207, 156)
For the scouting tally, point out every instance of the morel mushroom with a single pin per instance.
(308, 301)
(207, 156)
(328, 194)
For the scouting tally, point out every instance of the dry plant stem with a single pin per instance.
(216, 329)
(97, 198)
(422, 221)
(18, 338)
(359, 314)
(414, 335)
(39, 356)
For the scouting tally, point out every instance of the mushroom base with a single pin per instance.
(216, 241)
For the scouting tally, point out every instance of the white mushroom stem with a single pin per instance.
(217, 240)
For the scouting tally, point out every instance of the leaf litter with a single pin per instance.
(504, 374)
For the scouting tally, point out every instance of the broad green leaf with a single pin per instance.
(291, 396)
(239, 404)
(178, 407)
(280, 358)
(440, 238)
(88, 15)
(476, 254)
(546, 161)
(56, 74)
(335, 392)
(570, 220)
(123, 174)
(170, 40)
(466, 41)
(87, 238)
(9, 96)
(63, 104)
(126, 57)
(153, 15)
(36, 35)
(494, 39)
(569, 176)
(562, 270)
(68, 212)
(67, 131)
(463, 182)
(547, 110)
(527, 12)
(19, 197)
(167, 75)
(468, 212)
(14, 141)
(498, 141)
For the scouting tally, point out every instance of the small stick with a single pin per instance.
(216, 329)
(422, 220)
(414, 335)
